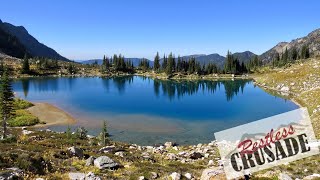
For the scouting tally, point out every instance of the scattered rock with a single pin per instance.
(141, 178)
(107, 149)
(154, 175)
(313, 176)
(26, 132)
(90, 136)
(169, 144)
(285, 89)
(11, 173)
(195, 155)
(175, 176)
(283, 176)
(75, 152)
(188, 175)
(145, 155)
(92, 176)
(171, 156)
(90, 161)
(210, 163)
(104, 162)
(212, 173)
(182, 153)
(120, 153)
(77, 176)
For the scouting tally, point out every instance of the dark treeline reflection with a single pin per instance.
(173, 89)
(44, 84)
(177, 89)
(167, 88)
(119, 82)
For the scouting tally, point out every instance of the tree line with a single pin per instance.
(289, 56)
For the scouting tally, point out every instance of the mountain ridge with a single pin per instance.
(31, 44)
(311, 40)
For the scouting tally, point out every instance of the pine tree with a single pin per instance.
(104, 134)
(25, 65)
(293, 54)
(156, 65)
(6, 100)
(170, 65)
(305, 54)
(164, 63)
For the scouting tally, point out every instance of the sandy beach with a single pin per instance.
(50, 114)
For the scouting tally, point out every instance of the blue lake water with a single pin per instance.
(146, 111)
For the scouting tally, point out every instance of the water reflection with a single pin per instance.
(118, 82)
(177, 89)
(167, 88)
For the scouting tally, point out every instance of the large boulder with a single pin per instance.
(104, 162)
(77, 152)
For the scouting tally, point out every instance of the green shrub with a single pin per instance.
(10, 139)
(22, 104)
(23, 118)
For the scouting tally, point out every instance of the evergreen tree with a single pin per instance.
(305, 54)
(170, 65)
(293, 54)
(285, 57)
(104, 135)
(164, 63)
(156, 65)
(25, 65)
(144, 64)
(276, 60)
(6, 100)
(179, 64)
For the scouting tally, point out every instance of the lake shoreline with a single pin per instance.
(53, 115)
(50, 115)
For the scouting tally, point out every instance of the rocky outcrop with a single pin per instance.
(104, 162)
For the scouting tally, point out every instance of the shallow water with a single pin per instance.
(146, 111)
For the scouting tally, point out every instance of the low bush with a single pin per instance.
(23, 118)
(22, 104)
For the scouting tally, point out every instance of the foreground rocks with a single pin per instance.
(11, 173)
(82, 176)
(73, 151)
(104, 162)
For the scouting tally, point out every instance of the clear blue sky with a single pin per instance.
(82, 29)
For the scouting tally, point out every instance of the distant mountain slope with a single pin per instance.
(10, 45)
(206, 59)
(312, 40)
(244, 56)
(217, 58)
(32, 45)
(135, 61)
